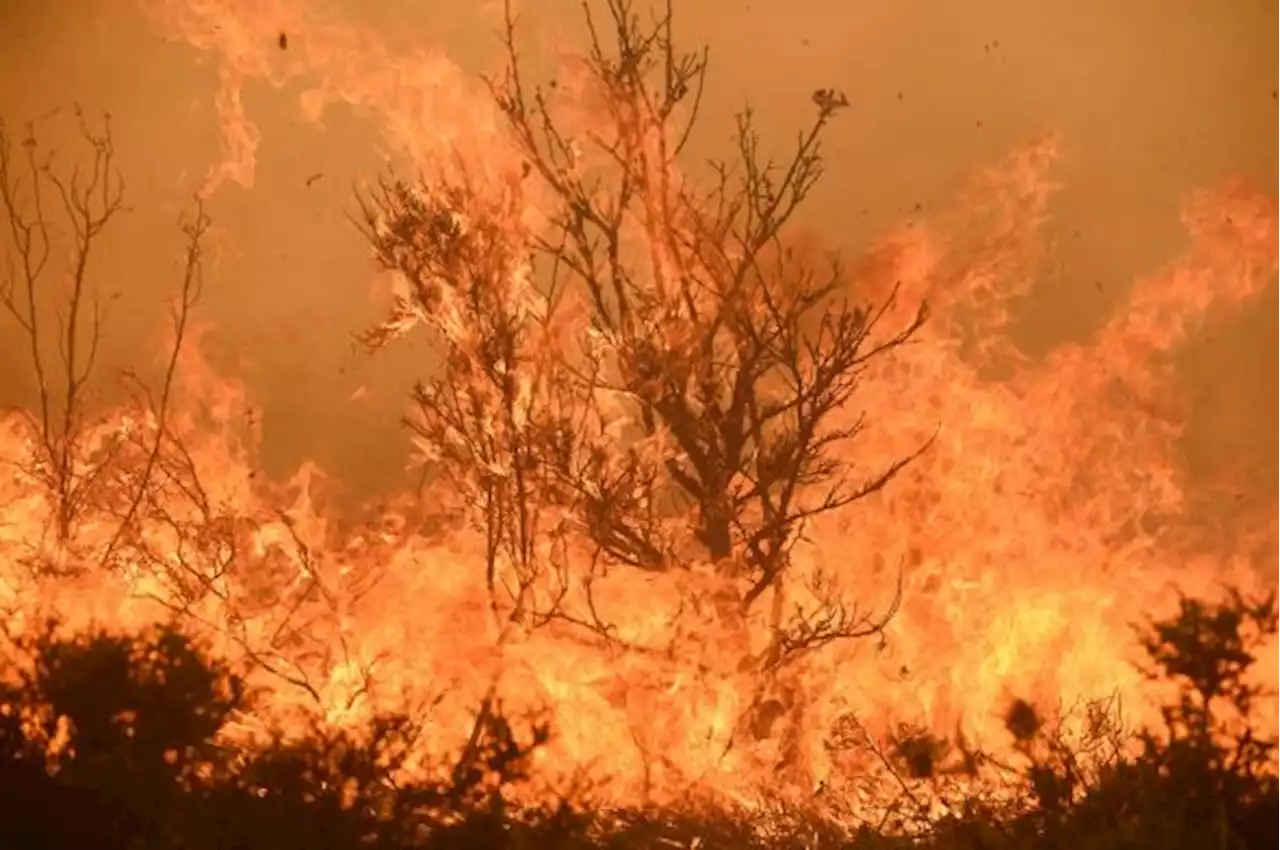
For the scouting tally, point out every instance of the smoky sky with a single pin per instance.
(1151, 99)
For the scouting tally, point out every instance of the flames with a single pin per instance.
(1048, 516)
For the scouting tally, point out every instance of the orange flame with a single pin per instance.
(1048, 516)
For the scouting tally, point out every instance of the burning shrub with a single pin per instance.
(1207, 779)
(348, 789)
(125, 731)
(653, 378)
(1080, 778)
(121, 724)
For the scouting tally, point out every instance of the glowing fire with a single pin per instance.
(1044, 520)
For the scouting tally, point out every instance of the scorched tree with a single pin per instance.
(630, 358)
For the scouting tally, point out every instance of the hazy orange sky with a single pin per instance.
(1150, 100)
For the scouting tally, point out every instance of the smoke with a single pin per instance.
(205, 99)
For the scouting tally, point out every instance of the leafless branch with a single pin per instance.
(88, 199)
(656, 372)
(131, 467)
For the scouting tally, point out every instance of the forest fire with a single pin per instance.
(1040, 515)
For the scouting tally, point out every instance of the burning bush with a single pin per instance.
(127, 735)
(1206, 778)
(130, 731)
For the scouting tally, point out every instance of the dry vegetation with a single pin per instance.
(651, 380)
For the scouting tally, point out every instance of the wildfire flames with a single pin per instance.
(1047, 516)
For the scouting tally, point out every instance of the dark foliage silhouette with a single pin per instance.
(113, 741)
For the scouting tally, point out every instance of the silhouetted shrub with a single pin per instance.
(340, 789)
(111, 742)
(1207, 778)
(119, 724)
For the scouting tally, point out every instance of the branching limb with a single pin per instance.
(89, 198)
(180, 315)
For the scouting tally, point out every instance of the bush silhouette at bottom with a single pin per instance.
(109, 742)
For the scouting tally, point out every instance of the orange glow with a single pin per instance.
(1047, 517)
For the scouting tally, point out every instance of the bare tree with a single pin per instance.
(655, 351)
(727, 355)
(129, 470)
(80, 474)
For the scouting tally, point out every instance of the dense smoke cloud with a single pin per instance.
(1150, 102)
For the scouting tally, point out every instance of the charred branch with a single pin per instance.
(706, 388)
